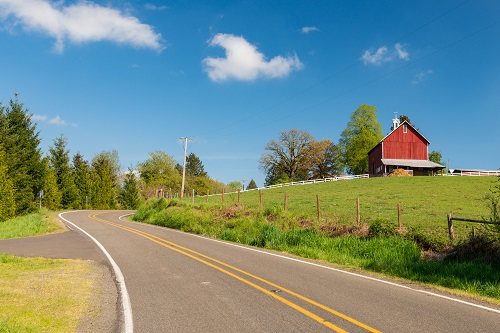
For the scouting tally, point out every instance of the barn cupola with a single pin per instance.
(395, 123)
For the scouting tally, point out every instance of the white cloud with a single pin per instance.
(244, 62)
(306, 30)
(81, 22)
(56, 121)
(376, 58)
(402, 53)
(384, 54)
(150, 6)
(422, 76)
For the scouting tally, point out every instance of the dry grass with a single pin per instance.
(44, 295)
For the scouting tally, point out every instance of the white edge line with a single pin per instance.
(331, 268)
(127, 307)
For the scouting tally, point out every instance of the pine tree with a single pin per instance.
(52, 196)
(251, 185)
(60, 163)
(105, 168)
(83, 182)
(7, 203)
(129, 194)
(23, 157)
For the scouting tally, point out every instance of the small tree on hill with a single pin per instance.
(251, 185)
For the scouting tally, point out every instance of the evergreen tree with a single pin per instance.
(129, 195)
(194, 166)
(60, 163)
(23, 157)
(251, 185)
(104, 173)
(82, 179)
(52, 196)
(7, 203)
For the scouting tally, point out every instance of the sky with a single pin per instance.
(136, 76)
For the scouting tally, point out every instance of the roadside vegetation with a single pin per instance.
(419, 251)
(37, 294)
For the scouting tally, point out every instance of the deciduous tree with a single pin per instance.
(159, 172)
(323, 159)
(363, 132)
(286, 156)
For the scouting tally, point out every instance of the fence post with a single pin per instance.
(239, 198)
(260, 199)
(222, 196)
(286, 203)
(192, 200)
(359, 213)
(450, 226)
(206, 200)
(399, 216)
(318, 206)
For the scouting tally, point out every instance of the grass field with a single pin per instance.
(37, 294)
(424, 201)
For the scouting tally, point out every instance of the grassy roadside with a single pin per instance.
(30, 225)
(419, 252)
(37, 294)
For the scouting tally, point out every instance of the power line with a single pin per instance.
(342, 70)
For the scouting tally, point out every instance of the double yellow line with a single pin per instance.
(209, 261)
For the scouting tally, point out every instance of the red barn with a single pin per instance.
(403, 148)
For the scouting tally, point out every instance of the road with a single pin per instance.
(178, 282)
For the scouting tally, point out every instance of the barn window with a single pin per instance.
(405, 128)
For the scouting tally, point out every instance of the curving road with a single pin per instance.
(178, 282)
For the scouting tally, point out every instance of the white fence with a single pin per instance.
(304, 182)
(474, 173)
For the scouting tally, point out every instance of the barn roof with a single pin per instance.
(411, 163)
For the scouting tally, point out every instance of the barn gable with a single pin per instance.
(405, 147)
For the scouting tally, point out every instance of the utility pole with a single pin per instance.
(184, 165)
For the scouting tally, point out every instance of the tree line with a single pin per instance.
(58, 181)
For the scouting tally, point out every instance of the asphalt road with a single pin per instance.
(179, 282)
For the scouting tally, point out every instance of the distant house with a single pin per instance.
(403, 148)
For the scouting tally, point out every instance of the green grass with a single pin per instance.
(425, 201)
(377, 244)
(37, 294)
(29, 225)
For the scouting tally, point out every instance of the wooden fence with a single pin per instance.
(451, 219)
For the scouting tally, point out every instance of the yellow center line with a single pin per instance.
(190, 253)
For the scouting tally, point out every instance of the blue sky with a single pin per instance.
(136, 76)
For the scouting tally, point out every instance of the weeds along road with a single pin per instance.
(179, 282)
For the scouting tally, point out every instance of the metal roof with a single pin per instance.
(411, 163)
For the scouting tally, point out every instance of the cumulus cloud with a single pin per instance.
(244, 62)
(56, 121)
(306, 30)
(81, 22)
(384, 54)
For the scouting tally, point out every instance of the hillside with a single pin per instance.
(425, 201)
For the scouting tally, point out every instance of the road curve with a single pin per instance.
(179, 282)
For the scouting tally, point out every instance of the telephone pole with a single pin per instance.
(184, 165)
